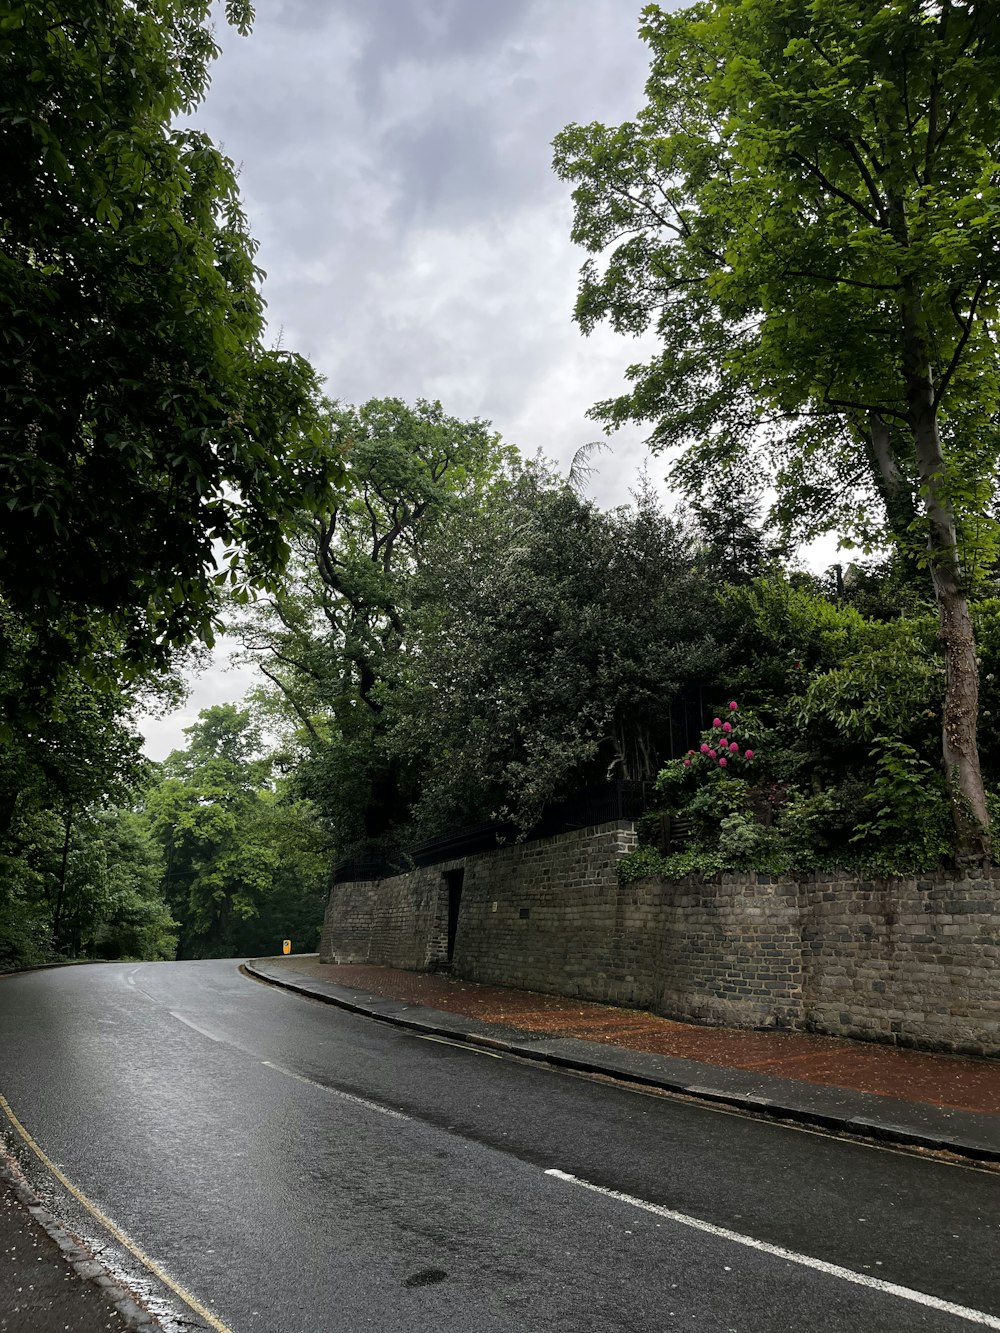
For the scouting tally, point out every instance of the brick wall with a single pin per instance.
(911, 960)
(522, 907)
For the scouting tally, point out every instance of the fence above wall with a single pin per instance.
(607, 803)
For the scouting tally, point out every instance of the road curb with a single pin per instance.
(79, 1259)
(856, 1127)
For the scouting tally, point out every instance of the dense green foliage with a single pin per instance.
(145, 425)
(550, 642)
(795, 166)
(335, 640)
(805, 212)
(152, 451)
(245, 865)
(470, 640)
(840, 713)
(72, 877)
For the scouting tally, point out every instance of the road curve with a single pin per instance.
(289, 1166)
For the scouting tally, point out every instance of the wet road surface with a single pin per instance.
(294, 1167)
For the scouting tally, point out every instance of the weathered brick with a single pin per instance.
(916, 958)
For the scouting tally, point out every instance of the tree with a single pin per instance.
(550, 641)
(727, 516)
(335, 640)
(237, 851)
(71, 875)
(146, 428)
(805, 209)
(114, 906)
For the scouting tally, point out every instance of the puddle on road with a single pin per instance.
(425, 1277)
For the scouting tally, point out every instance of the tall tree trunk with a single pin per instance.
(960, 750)
(895, 491)
(893, 487)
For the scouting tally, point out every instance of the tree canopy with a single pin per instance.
(550, 641)
(466, 638)
(63, 766)
(804, 210)
(335, 639)
(244, 862)
(146, 427)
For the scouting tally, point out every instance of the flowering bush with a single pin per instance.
(752, 799)
(720, 748)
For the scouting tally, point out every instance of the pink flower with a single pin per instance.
(733, 705)
(704, 747)
(687, 763)
(716, 721)
(712, 753)
(690, 751)
(723, 763)
(748, 755)
(733, 747)
(727, 726)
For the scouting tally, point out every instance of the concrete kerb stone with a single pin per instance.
(783, 1108)
(83, 1263)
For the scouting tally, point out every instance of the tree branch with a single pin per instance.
(966, 327)
(300, 712)
(829, 186)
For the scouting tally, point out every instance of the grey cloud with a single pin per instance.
(429, 32)
(448, 169)
(396, 170)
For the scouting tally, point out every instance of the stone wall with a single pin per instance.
(547, 916)
(911, 960)
(397, 922)
(731, 950)
(526, 910)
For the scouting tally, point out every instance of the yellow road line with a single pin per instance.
(191, 1301)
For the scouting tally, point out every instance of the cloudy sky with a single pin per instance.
(395, 161)
(395, 164)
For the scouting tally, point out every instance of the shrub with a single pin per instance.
(775, 807)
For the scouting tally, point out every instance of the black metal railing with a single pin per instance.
(607, 803)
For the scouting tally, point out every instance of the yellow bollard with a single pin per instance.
(286, 946)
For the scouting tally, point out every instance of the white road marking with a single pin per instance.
(335, 1092)
(460, 1045)
(290, 1073)
(791, 1256)
(201, 1031)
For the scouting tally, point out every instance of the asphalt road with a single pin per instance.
(294, 1167)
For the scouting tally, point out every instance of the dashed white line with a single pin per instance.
(202, 1032)
(790, 1256)
(335, 1092)
(349, 1097)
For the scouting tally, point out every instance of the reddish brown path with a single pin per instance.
(966, 1083)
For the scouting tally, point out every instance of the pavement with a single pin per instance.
(49, 1283)
(937, 1103)
(923, 1102)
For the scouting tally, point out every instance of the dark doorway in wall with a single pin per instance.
(453, 879)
